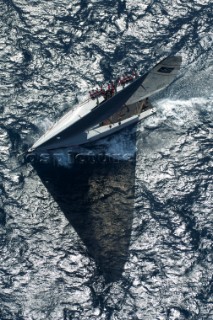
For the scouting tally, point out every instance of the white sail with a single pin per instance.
(157, 79)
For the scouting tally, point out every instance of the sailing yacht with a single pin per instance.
(105, 111)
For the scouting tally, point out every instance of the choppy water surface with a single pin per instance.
(121, 239)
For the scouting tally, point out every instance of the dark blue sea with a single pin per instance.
(127, 236)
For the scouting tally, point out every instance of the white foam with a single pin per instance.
(179, 113)
(44, 125)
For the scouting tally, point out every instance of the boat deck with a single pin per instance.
(128, 111)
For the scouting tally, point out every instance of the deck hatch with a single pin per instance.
(165, 70)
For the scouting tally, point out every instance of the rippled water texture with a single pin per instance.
(128, 238)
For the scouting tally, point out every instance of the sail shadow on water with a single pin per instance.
(97, 197)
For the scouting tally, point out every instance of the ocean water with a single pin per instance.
(127, 236)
